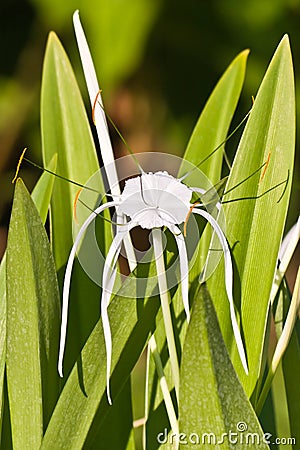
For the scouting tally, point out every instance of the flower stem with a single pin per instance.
(164, 298)
(164, 387)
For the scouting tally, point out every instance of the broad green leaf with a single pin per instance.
(254, 227)
(65, 131)
(32, 323)
(41, 196)
(114, 431)
(212, 401)
(210, 131)
(83, 398)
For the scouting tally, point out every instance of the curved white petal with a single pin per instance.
(108, 279)
(67, 280)
(184, 268)
(228, 283)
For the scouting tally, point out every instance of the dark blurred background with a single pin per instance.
(157, 62)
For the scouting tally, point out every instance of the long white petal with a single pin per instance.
(107, 154)
(67, 280)
(228, 283)
(99, 115)
(108, 279)
(184, 268)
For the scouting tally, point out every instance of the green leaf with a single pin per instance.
(114, 431)
(65, 131)
(212, 402)
(32, 323)
(254, 228)
(41, 196)
(210, 131)
(83, 399)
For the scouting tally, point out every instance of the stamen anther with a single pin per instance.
(265, 167)
(18, 166)
(75, 204)
(188, 216)
(94, 106)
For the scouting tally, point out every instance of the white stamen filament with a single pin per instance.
(164, 387)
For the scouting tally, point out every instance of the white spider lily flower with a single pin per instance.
(150, 200)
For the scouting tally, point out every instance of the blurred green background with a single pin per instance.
(157, 62)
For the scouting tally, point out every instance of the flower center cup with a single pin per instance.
(154, 200)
